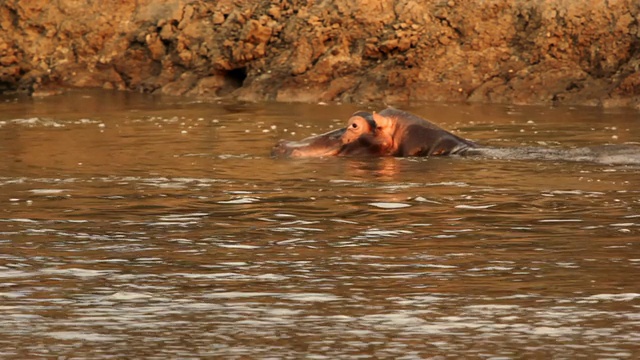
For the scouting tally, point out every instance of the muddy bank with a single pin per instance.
(522, 52)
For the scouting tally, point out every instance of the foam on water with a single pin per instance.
(389, 205)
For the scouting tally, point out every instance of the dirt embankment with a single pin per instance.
(503, 51)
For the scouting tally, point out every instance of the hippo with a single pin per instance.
(391, 132)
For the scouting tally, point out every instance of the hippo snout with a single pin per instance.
(281, 149)
(327, 144)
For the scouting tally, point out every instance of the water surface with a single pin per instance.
(134, 226)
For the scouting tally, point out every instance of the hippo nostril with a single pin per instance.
(279, 149)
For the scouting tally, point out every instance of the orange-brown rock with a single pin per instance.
(502, 51)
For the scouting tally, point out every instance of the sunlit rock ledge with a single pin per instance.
(518, 52)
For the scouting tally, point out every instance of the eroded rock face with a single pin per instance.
(503, 51)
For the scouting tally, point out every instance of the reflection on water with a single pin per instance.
(142, 227)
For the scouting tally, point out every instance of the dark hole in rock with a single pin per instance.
(233, 80)
(236, 76)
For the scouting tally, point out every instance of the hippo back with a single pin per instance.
(421, 137)
(409, 118)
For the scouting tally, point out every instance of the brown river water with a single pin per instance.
(134, 226)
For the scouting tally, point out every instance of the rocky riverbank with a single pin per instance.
(504, 51)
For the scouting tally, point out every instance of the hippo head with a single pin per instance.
(358, 138)
(328, 144)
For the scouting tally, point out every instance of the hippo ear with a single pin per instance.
(381, 121)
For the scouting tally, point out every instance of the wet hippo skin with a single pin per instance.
(391, 132)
